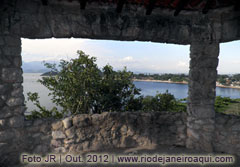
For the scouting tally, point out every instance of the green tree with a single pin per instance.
(162, 102)
(75, 87)
(81, 87)
(118, 93)
(42, 111)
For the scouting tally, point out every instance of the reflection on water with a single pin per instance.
(151, 88)
(30, 84)
(148, 88)
(180, 90)
(228, 92)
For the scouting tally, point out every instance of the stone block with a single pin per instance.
(236, 127)
(36, 135)
(124, 129)
(68, 141)
(17, 61)
(208, 127)
(4, 97)
(130, 132)
(201, 111)
(16, 122)
(128, 142)
(3, 147)
(4, 61)
(17, 85)
(5, 112)
(60, 150)
(4, 88)
(20, 110)
(58, 135)
(6, 136)
(193, 134)
(37, 122)
(95, 118)
(206, 146)
(56, 143)
(15, 101)
(67, 122)
(17, 92)
(86, 145)
(181, 128)
(46, 138)
(12, 50)
(2, 123)
(12, 75)
(98, 145)
(82, 120)
(12, 41)
(57, 125)
(70, 132)
(45, 128)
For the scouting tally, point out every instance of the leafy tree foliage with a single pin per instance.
(171, 77)
(75, 87)
(222, 103)
(81, 87)
(43, 112)
(118, 93)
(162, 102)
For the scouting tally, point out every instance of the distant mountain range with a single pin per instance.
(35, 66)
(38, 67)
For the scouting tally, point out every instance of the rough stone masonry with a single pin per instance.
(63, 19)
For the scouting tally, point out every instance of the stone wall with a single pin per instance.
(11, 97)
(37, 136)
(201, 95)
(85, 132)
(118, 130)
(95, 132)
(99, 132)
(63, 19)
(227, 134)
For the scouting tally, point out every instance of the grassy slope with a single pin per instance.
(232, 107)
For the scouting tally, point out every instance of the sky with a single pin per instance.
(145, 57)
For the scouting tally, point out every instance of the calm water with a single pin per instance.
(30, 84)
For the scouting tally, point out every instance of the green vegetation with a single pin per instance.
(164, 77)
(227, 105)
(163, 102)
(33, 97)
(225, 80)
(228, 80)
(81, 87)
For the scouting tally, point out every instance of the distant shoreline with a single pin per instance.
(162, 81)
(184, 82)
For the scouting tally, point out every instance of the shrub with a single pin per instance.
(162, 102)
(81, 87)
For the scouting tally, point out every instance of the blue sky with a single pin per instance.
(144, 57)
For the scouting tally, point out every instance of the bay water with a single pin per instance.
(180, 91)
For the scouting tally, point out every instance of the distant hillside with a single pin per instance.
(35, 67)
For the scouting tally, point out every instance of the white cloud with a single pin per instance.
(182, 64)
(127, 59)
(56, 49)
(235, 62)
(106, 52)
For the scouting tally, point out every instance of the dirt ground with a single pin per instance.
(143, 152)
